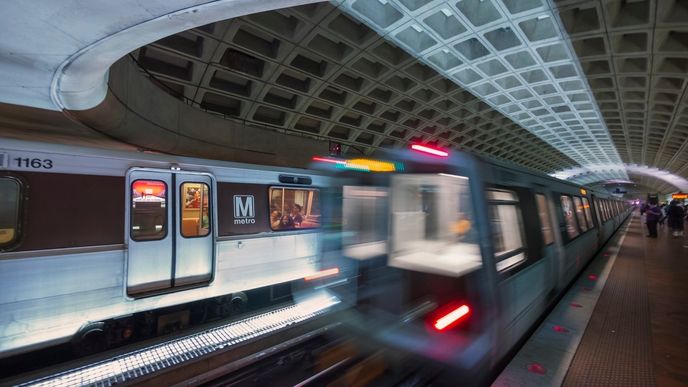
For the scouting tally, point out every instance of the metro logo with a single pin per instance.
(244, 209)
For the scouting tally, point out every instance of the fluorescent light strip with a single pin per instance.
(127, 367)
(566, 117)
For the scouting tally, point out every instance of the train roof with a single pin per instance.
(127, 159)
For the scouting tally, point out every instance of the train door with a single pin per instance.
(550, 250)
(170, 231)
(519, 224)
(598, 220)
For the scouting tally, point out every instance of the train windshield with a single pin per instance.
(432, 225)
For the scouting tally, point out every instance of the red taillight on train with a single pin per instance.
(322, 274)
(430, 150)
(451, 318)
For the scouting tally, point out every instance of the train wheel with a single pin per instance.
(90, 339)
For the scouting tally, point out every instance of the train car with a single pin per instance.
(100, 247)
(458, 256)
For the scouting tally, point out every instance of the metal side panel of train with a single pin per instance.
(104, 234)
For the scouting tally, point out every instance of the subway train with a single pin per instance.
(101, 247)
(457, 256)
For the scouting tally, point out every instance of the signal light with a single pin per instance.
(452, 317)
(322, 274)
(335, 149)
(429, 150)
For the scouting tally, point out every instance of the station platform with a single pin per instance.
(624, 322)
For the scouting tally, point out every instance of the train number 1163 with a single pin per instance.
(25, 162)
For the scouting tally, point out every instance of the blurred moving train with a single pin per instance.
(458, 256)
(100, 247)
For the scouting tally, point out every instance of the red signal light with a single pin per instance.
(451, 317)
(430, 150)
(328, 160)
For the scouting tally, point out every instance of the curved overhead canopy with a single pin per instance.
(56, 54)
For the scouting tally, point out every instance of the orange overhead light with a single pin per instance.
(371, 165)
(679, 195)
(362, 164)
(583, 191)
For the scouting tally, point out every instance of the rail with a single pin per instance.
(129, 366)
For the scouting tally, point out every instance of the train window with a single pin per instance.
(294, 208)
(507, 228)
(596, 203)
(569, 218)
(588, 214)
(431, 225)
(10, 205)
(148, 210)
(545, 224)
(580, 215)
(364, 223)
(603, 208)
(607, 210)
(195, 214)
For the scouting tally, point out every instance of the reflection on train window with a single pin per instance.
(364, 221)
(148, 210)
(195, 212)
(293, 208)
(10, 197)
(586, 210)
(545, 224)
(507, 228)
(607, 212)
(603, 208)
(579, 214)
(569, 218)
(598, 214)
(432, 225)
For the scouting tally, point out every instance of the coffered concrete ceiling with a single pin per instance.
(591, 90)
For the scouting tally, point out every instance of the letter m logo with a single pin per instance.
(244, 206)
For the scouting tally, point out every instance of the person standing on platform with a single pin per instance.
(675, 215)
(652, 215)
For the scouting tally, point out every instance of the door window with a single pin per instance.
(545, 224)
(569, 217)
(580, 214)
(148, 210)
(507, 228)
(10, 203)
(588, 214)
(195, 213)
